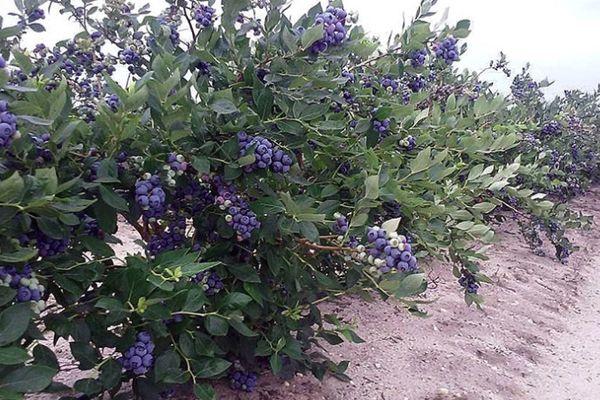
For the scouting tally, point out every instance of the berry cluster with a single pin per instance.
(211, 282)
(192, 198)
(345, 168)
(381, 127)
(175, 166)
(150, 196)
(551, 128)
(524, 88)
(239, 216)
(340, 225)
(131, 57)
(417, 83)
(408, 143)
(83, 63)
(47, 246)
(113, 102)
(26, 284)
(390, 251)
(204, 16)
(35, 15)
(176, 163)
(391, 209)
(91, 227)
(42, 154)
(50, 247)
(417, 58)
(203, 67)
(349, 76)
(8, 125)
(406, 93)
(265, 153)
(447, 50)
(390, 84)
(469, 282)
(242, 220)
(174, 35)
(92, 173)
(138, 358)
(334, 29)
(243, 381)
(170, 239)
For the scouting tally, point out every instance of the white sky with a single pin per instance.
(561, 38)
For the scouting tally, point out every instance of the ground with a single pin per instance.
(537, 336)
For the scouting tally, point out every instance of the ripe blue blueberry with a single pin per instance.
(334, 29)
(204, 16)
(150, 196)
(243, 381)
(211, 282)
(446, 50)
(417, 58)
(139, 358)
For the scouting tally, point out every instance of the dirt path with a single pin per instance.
(571, 367)
(538, 336)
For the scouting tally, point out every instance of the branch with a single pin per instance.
(311, 245)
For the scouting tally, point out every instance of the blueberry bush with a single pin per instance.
(267, 165)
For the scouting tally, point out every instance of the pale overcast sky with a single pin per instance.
(559, 37)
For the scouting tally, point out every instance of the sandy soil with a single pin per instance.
(536, 338)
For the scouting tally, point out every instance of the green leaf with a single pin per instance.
(242, 328)
(13, 355)
(97, 246)
(359, 220)
(21, 255)
(372, 187)
(216, 326)
(137, 99)
(311, 35)
(204, 391)
(113, 199)
(263, 98)
(246, 160)
(202, 164)
(35, 120)
(235, 300)
(48, 179)
(195, 300)
(44, 356)
(195, 268)
(422, 161)
(223, 107)
(7, 294)
(313, 111)
(11, 189)
(465, 225)
(207, 367)
(14, 322)
(110, 304)
(6, 394)
(309, 231)
(167, 365)
(52, 228)
(244, 272)
(85, 354)
(275, 362)
(391, 225)
(409, 286)
(28, 379)
(88, 386)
